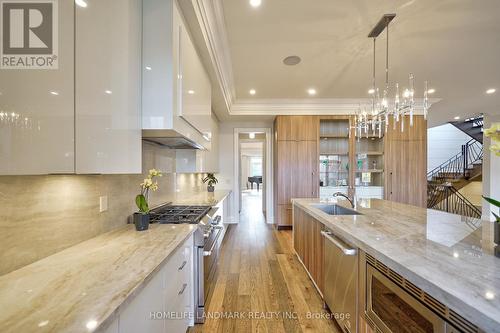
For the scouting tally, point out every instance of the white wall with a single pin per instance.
(443, 142)
(491, 172)
(226, 161)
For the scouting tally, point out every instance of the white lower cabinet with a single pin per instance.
(165, 304)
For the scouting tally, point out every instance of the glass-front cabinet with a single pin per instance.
(334, 156)
(348, 163)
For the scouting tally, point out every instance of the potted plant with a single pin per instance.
(211, 181)
(496, 228)
(141, 218)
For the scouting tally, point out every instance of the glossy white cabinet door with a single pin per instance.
(37, 111)
(139, 315)
(194, 86)
(108, 86)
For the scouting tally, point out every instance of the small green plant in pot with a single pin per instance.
(496, 228)
(141, 218)
(211, 181)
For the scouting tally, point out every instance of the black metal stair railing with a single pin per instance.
(458, 166)
(446, 198)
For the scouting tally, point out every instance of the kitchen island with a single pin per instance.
(448, 257)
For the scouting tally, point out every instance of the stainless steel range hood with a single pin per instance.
(169, 139)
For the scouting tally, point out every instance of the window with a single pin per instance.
(255, 166)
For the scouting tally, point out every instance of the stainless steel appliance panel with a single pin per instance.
(341, 280)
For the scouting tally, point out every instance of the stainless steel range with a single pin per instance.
(207, 242)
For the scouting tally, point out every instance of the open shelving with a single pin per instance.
(369, 157)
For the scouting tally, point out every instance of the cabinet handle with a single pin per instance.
(184, 286)
(347, 251)
(182, 266)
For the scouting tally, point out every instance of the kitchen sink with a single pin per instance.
(333, 209)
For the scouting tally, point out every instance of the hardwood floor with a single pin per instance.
(261, 286)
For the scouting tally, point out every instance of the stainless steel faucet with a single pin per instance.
(351, 201)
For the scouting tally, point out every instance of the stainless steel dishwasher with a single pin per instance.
(341, 281)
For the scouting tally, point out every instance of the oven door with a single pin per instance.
(393, 310)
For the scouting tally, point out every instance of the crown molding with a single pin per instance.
(332, 106)
(210, 16)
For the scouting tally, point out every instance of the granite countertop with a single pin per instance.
(449, 256)
(80, 288)
(200, 198)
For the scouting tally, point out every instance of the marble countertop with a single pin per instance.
(449, 256)
(200, 198)
(78, 289)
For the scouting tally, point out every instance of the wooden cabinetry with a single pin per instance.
(295, 163)
(296, 128)
(308, 244)
(405, 161)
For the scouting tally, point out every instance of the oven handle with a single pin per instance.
(347, 251)
(209, 253)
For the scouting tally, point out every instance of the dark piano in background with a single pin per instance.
(255, 179)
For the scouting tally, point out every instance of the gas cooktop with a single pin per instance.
(178, 214)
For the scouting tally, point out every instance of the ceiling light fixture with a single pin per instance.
(255, 3)
(371, 91)
(81, 3)
(292, 60)
(55, 93)
(191, 92)
(251, 135)
(311, 91)
(109, 92)
(252, 92)
(148, 68)
(491, 91)
(431, 91)
(456, 118)
(375, 115)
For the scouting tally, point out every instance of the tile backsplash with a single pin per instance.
(41, 215)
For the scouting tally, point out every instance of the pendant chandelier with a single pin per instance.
(373, 118)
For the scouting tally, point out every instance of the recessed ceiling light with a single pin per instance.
(489, 295)
(109, 92)
(456, 118)
(148, 68)
(55, 93)
(251, 135)
(292, 60)
(371, 91)
(81, 3)
(491, 91)
(431, 91)
(252, 92)
(255, 3)
(191, 92)
(311, 91)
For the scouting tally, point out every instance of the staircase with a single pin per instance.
(471, 126)
(445, 181)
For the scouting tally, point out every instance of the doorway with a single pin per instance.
(251, 172)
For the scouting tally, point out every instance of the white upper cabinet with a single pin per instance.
(108, 87)
(85, 115)
(194, 89)
(201, 161)
(176, 90)
(36, 109)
